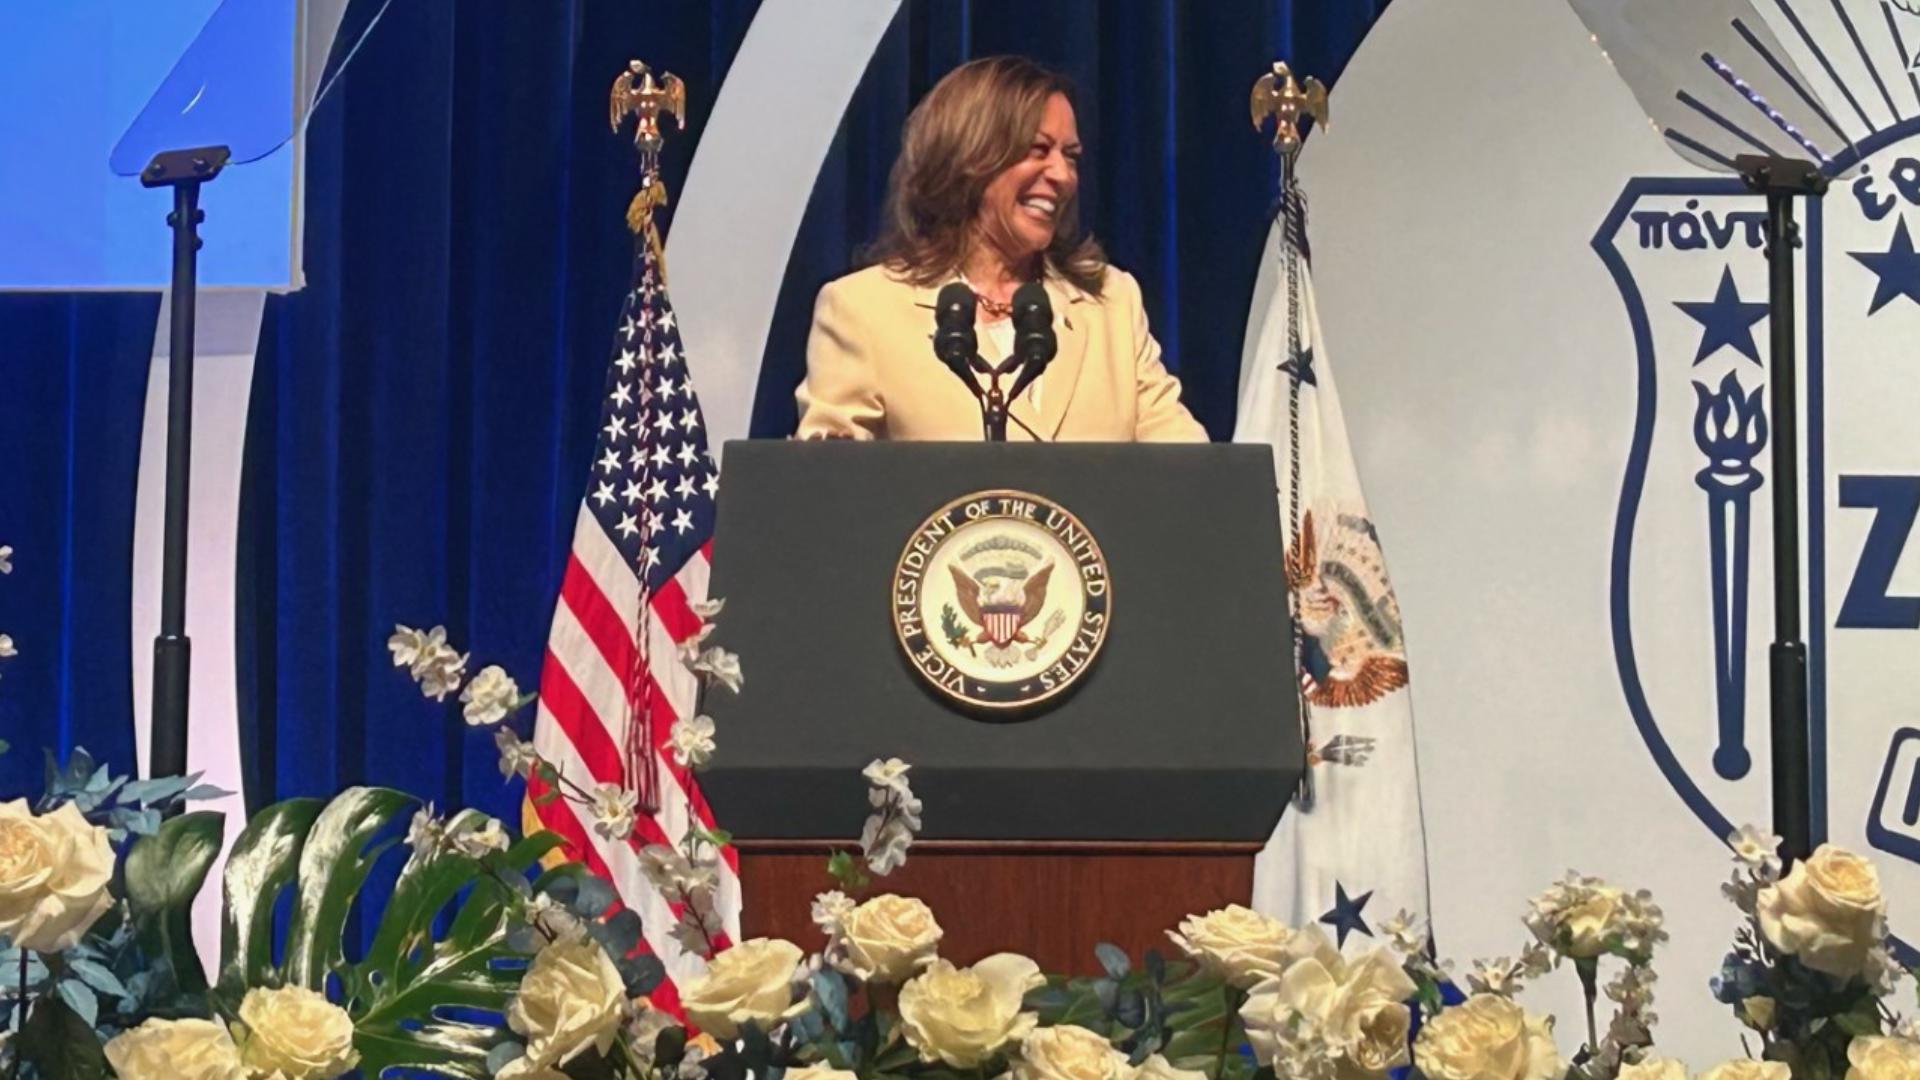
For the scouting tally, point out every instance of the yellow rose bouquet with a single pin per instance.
(1809, 972)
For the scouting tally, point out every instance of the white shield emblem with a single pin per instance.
(1691, 642)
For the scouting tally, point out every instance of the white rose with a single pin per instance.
(820, 1072)
(1235, 943)
(1157, 1067)
(54, 872)
(1487, 1037)
(1359, 1008)
(1654, 1069)
(1827, 911)
(888, 938)
(571, 997)
(1748, 1069)
(963, 1016)
(297, 1033)
(175, 1050)
(753, 981)
(1069, 1052)
(1872, 1057)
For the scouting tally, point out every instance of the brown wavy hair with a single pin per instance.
(973, 125)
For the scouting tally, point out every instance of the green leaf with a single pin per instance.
(716, 837)
(845, 869)
(60, 1044)
(164, 872)
(899, 1057)
(443, 1047)
(334, 863)
(407, 976)
(262, 863)
(1858, 1023)
(1075, 1002)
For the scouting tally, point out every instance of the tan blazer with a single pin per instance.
(871, 372)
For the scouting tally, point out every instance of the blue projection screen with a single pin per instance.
(74, 75)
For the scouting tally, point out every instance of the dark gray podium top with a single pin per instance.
(1184, 729)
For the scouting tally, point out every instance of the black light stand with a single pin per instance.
(183, 171)
(1782, 180)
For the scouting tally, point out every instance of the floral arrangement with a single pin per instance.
(483, 964)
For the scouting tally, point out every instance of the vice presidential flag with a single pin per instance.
(613, 681)
(1351, 851)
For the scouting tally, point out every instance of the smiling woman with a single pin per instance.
(984, 193)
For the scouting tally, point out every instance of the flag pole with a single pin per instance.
(1290, 102)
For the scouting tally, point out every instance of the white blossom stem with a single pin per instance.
(1589, 969)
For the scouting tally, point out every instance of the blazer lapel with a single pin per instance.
(1070, 327)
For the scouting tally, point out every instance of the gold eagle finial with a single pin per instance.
(638, 94)
(1278, 95)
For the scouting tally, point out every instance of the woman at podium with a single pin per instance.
(984, 194)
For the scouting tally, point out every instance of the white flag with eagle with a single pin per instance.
(1350, 851)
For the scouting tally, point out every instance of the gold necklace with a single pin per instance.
(994, 308)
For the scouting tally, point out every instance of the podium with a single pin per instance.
(1066, 802)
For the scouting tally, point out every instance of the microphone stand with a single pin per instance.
(993, 403)
(183, 171)
(1782, 180)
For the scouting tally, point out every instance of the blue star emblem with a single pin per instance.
(1345, 917)
(1898, 268)
(1301, 367)
(1726, 319)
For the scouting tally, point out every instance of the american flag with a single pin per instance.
(641, 545)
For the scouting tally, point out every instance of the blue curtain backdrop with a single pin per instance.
(423, 412)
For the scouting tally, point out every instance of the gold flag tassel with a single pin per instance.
(638, 94)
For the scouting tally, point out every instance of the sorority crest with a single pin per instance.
(1001, 600)
(1688, 258)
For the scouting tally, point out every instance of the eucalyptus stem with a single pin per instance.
(22, 1008)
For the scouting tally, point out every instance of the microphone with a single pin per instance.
(1034, 341)
(954, 341)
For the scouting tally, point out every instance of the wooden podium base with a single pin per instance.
(1049, 900)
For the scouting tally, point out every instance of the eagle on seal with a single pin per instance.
(1001, 611)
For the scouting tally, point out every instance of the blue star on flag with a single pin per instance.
(1301, 367)
(1345, 917)
(1727, 320)
(1898, 268)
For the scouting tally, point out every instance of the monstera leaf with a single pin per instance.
(396, 993)
(407, 978)
(164, 872)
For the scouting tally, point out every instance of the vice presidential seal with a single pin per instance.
(1001, 599)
